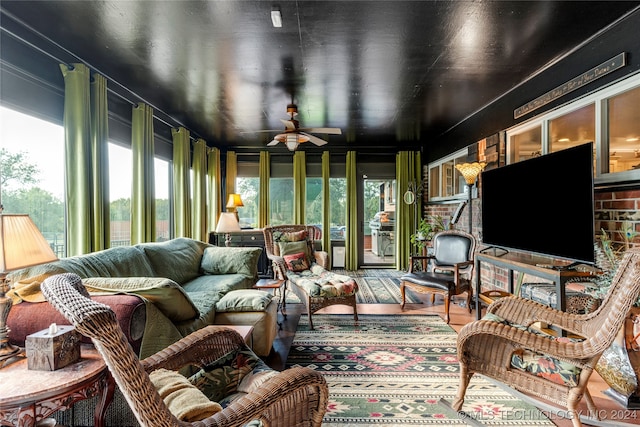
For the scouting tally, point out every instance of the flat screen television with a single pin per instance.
(542, 205)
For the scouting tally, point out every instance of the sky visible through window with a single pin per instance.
(43, 142)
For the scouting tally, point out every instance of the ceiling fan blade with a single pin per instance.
(272, 143)
(289, 124)
(262, 131)
(314, 139)
(331, 131)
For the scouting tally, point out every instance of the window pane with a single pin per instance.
(575, 128)
(281, 199)
(338, 201)
(434, 182)
(248, 188)
(458, 180)
(32, 172)
(313, 205)
(120, 182)
(525, 145)
(163, 209)
(447, 179)
(624, 131)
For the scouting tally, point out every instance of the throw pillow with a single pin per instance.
(244, 300)
(185, 401)
(290, 248)
(296, 262)
(219, 260)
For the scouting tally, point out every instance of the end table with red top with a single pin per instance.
(28, 397)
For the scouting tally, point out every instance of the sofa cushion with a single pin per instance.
(177, 259)
(244, 300)
(165, 294)
(219, 283)
(184, 400)
(219, 260)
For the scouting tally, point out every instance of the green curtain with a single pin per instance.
(213, 188)
(408, 170)
(181, 182)
(263, 198)
(351, 220)
(100, 163)
(143, 198)
(299, 187)
(232, 173)
(78, 176)
(326, 203)
(200, 190)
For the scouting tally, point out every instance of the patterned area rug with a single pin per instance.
(375, 286)
(393, 370)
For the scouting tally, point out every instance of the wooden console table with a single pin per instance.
(27, 397)
(535, 265)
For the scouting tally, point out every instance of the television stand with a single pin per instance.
(535, 265)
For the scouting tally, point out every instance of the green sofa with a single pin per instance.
(162, 291)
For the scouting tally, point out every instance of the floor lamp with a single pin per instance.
(470, 172)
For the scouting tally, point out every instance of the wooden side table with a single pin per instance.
(28, 397)
(278, 286)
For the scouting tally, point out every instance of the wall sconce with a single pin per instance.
(470, 172)
(228, 223)
(21, 245)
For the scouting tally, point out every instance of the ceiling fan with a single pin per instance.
(294, 135)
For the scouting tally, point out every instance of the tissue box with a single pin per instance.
(50, 351)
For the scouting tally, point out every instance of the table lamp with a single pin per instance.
(470, 172)
(228, 223)
(21, 245)
(233, 203)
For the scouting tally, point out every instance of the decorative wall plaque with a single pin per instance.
(601, 70)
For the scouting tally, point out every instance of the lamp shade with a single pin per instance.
(470, 171)
(21, 243)
(227, 223)
(234, 201)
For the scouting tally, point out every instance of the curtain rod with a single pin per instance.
(70, 66)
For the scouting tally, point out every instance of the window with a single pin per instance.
(163, 206)
(609, 118)
(525, 144)
(445, 181)
(249, 190)
(338, 202)
(624, 131)
(32, 173)
(281, 200)
(120, 182)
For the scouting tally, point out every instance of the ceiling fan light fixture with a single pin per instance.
(276, 17)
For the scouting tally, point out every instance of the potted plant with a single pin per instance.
(427, 228)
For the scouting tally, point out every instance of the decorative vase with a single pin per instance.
(619, 365)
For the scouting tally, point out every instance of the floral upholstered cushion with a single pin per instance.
(237, 372)
(539, 364)
(319, 282)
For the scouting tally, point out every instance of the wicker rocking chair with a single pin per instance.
(504, 345)
(305, 284)
(294, 397)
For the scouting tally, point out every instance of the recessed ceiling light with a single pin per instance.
(276, 18)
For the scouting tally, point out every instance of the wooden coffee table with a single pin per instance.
(28, 397)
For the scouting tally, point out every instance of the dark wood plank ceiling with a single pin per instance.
(388, 73)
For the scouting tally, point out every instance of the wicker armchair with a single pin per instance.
(294, 397)
(306, 285)
(493, 346)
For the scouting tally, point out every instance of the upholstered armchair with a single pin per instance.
(209, 378)
(292, 250)
(448, 271)
(507, 344)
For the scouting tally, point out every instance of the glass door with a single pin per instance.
(378, 219)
